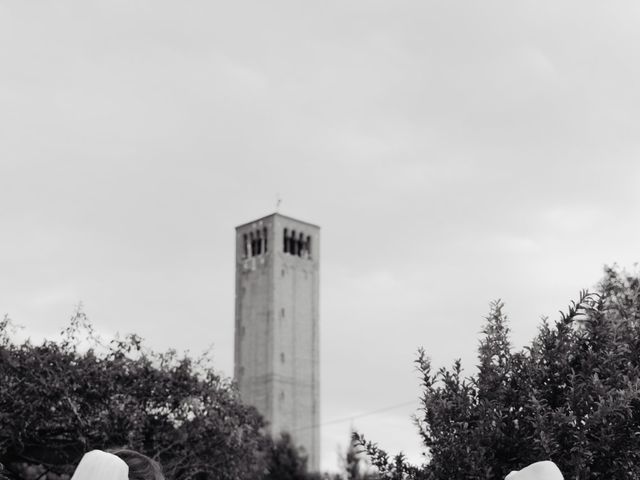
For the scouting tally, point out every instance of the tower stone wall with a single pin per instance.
(277, 326)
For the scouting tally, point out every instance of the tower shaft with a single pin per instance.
(277, 326)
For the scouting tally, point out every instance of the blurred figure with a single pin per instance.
(117, 465)
(537, 471)
(140, 466)
(99, 465)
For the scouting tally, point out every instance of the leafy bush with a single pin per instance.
(572, 396)
(58, 400)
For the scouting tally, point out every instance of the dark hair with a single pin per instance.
(141, 467)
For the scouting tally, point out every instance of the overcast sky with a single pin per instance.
(452, 152)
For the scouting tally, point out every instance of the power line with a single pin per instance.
(360, 415)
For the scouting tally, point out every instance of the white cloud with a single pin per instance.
(574, 219)
(53, 297)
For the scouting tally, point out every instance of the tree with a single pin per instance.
(355, 463)
(572, 396)
(285, 461)
(58, 400)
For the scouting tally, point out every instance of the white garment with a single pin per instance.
(537, 471)
(99, 465)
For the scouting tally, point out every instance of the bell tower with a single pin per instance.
(277, 326)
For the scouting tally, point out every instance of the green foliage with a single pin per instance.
(572, 396)
(285, 461)
(59, 400)
(355, 463)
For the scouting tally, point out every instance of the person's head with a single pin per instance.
(99, 465)
(140, 466)
(545, 470)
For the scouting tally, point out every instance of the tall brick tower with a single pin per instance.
(277, 326)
